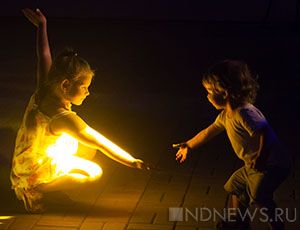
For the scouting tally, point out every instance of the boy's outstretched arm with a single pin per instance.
(44, 61)
(202, 137)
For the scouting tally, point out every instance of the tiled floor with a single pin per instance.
(146, 124)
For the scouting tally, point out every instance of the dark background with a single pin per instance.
(204, 10)
(147, 94)
(149, 57)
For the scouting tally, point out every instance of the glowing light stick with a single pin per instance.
(65, 147)
(62, 154)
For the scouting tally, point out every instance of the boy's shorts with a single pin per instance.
(253, 186)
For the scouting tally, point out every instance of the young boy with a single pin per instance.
(231, 89)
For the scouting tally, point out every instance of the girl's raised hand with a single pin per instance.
(36, 17)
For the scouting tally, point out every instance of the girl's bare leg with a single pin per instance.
(83, 171)
(65, 182)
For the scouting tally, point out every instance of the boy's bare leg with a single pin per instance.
(235, 204)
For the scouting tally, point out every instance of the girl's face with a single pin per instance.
(217, 98)
(78, 90)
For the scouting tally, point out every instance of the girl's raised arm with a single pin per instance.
(42, 44)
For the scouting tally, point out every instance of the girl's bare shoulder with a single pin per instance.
(67, 121)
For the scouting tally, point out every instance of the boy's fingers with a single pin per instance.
(182, 159)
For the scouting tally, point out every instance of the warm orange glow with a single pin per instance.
(107, 144)
(6, 217)
(63, 151)
(62, 154)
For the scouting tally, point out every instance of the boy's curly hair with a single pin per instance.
(234, 77)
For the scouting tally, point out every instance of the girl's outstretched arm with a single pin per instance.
(76, 127)
(42, 44)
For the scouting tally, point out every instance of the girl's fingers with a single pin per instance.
(33, 16)
(27, 13)
(25, 10)
(39, 12)
(30, 13)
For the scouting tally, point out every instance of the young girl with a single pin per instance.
(47, 140)
(231, 89)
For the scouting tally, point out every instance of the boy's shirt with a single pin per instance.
(240, 127)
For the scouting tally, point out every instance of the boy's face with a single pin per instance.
(217, 98)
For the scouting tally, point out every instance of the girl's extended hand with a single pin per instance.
(35, 17)
(182, 152)
(139, 164)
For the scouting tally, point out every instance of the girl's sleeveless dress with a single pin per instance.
(33, 163)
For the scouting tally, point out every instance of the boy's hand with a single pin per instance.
(35, 17)
(182, 152)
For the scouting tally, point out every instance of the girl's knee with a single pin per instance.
(80, 179)
(89, 176)
(95, 177)
(89, 171)
(95, 174)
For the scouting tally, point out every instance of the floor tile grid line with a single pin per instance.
(187, 188)
(91, 207)
(11, 223)
(140, 198)
(85, 215)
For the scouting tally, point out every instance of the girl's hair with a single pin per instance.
(234, 77)
(67, 65)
